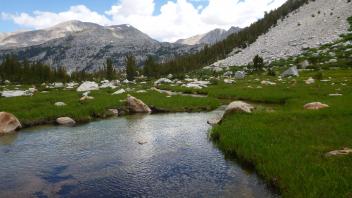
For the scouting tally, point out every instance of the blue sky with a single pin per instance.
(164, 20)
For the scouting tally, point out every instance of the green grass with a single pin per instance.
(40, 108)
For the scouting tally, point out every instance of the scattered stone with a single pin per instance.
(334, 95)
(141, 91)
(228, 81)
(292, 71)
(163, 81)
(333, 61)
(8, 123)
(309, 81)
(121, 91)
(344, 151)
(88, 86)
(66, 121)
(170, 76)
(228, 73)
(137, 106)
(16, 93)
(214, 121)
(58, 85)
(265, 82)
(84, 98)
(60, 104)
(107, 84)
(304, 64)
(240, 75)
(115, 112)
(315, 106)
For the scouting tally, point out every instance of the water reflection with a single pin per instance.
(104, 159)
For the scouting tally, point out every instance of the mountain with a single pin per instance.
(211, 37)
(85, 46)
(314, 24)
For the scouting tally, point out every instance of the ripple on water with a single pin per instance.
(104, 159)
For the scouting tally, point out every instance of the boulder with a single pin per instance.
(240, 75)
(332, 60)
(88, 86)
(8, 123)
(137, 106)
(236, 107)
(163, 81)
(228, 74)
(315, 106)
(228, 81)
(344, 151)
(304, 64)
(292, 71)
(66, 121)
(60, 104)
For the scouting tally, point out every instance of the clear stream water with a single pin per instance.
(104, 159)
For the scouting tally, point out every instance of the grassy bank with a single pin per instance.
(40, 108)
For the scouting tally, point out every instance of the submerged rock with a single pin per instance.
(315, 106)
(66, 121)
(137, 106)
(8, 123)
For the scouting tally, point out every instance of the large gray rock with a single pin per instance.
(237, 107)
(292, 71)
(8, 123)
(137, 106)
(88, 86)
(66, 121)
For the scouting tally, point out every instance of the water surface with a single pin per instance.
(104, 159)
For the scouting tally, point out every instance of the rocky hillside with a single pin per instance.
(79, 45)
(210, 37)
(316, 23)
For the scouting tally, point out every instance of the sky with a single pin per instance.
(164, 20)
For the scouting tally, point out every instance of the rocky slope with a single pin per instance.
(314, 24)
(210, 37)
(79, 45)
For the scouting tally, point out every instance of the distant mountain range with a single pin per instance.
(85, 46)
(211, 37)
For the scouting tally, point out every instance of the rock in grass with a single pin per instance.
(334, 95)
(8, 123)
(292, 71)
(121, 91)
(84, 98)
(265, 82)
(239, 106)
(88, 86)
(60, 104)
(137, 106)
(315, 106)
(344, 151)
(310, 81)
(66, 121)
(213, 122)
(240, 75)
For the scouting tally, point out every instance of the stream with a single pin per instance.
(161, 155)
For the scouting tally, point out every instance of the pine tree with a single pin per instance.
(258, 63)
(109, 69)
(131, 68)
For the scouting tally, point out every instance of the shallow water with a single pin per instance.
(104, 159)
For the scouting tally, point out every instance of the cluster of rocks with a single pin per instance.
(305, 32)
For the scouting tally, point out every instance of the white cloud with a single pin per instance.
(176, 20)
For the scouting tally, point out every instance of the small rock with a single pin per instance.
(240, 75)
(315, 106)
(84, 98)
(310, 81)
(60, 104)
(142, 142)
(344, 151)
(292, 71)
(334, 95)
(114, 111)
(121, 91)
(265, 82)
(66, 121)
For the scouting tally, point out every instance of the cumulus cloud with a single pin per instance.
(176, 19)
